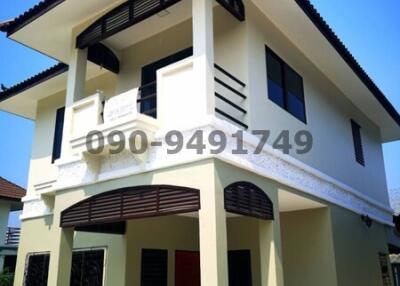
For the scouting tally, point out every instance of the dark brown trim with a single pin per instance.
(102, 56)
(247, 199)
(235, 7)
(131, 203)
(109, 228)
(50, 73)
(120, 18)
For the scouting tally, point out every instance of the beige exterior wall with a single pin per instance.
(357, 249)
(307, 248)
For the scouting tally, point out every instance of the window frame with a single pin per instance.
(57, 140)
(285, 66)
(27, 262)
(87, 250)
(358, 146)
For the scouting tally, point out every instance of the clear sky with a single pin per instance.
(370, 29)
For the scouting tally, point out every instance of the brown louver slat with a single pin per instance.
(129, 203)
(247, 199)
(127, 14)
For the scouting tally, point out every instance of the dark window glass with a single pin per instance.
(285, 86)
(37, 270)
(87, 268)
(58, 134)
(275, 81)
(154, 267)
(357, 140)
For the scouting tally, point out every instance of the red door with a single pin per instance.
(187, 268)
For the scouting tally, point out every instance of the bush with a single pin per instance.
(6, 278)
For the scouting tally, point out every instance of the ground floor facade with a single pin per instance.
(304, 241)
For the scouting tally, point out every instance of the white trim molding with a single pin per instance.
(34, 207)
(271, 163)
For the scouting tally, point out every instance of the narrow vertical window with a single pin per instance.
(37, 270)
(58, 134)
(285, 86)
(154, 267)
(357, 140)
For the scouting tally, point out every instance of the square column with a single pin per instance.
(61, 257)
(213, 238)
(203, 53)
(75, 91)
(270, 255)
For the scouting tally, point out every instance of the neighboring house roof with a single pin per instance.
(308, 8)
(34, 80)
(10, 191)
(394, 197)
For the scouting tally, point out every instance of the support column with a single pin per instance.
(270, 256)
(213, 238)
(203, 52)
(61, 258)
(75, 91)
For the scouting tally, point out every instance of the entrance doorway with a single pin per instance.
(187, 268)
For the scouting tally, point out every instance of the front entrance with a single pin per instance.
(187, 268)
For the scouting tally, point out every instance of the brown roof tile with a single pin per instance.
(10, 190)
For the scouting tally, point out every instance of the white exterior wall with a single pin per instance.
(328, 113)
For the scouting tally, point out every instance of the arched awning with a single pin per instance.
(132, 12)
(247, 199)
(129, 203)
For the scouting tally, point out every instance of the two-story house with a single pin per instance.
(181, 142)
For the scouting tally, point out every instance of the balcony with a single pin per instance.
(168, 103)
(12, 236)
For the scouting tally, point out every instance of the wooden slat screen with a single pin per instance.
(130, 203)
(154, 267)
(235, 7)
(247, 199)
(127, 14)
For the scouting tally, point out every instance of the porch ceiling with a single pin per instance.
(50, 33)
(291, 202)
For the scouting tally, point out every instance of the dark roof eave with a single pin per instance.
(30, 15)
(33, 81)
(334, 40)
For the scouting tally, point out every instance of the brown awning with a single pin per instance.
(130, 203)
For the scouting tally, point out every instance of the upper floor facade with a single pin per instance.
(229, 66)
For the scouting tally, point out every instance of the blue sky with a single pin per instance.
(370, 29)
